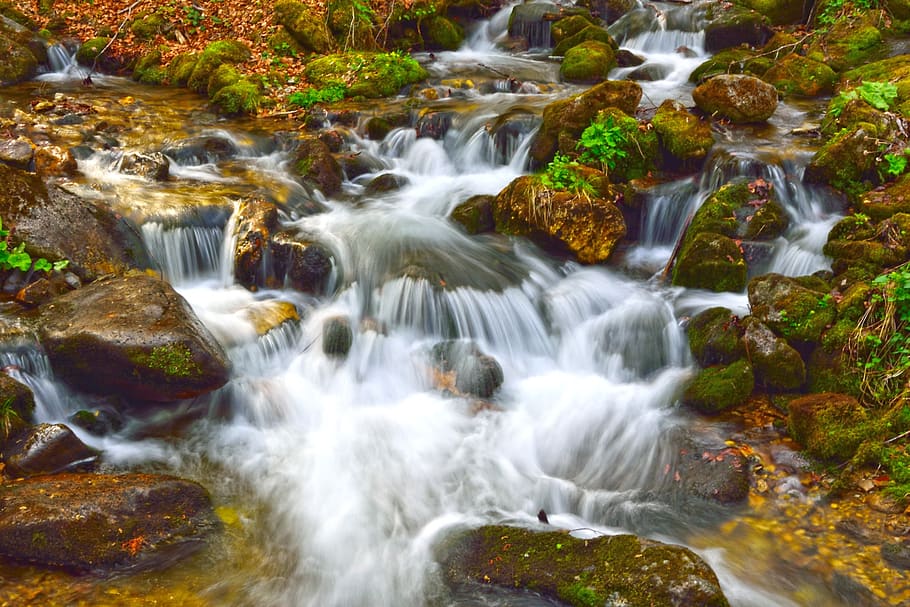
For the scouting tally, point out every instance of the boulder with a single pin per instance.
(17, 153)
(102, 523)
(715, 337)
(462, 368)
(301, 264)
(365, 74)
(215, 54)
(337, 337)
(55, 161)
(386, 182)
(591, 33)
(609, 10)
(888, 201)
(801, 76)
(849, 43)
(441, 33)
(606, 570)
(830, 426)
(154, 166)
(303, 24)
(313, 161)
(720, 387)
(55, 224)
(587, 227)
(17, 62)
(476, 214)
(202, 149)
(732, 61)
(858, 244)
(531, 21)
(567, 27)
(710, 261)
(741, 209)
(572, 115)
(46, 449)
(778, 12)
(776, 364)
(738, 97)
(132, 335)
(732, 26)
(587, 62)
(632, 151)
(848, 161)
(685, 138)
(790, 309)
(255, 221)
(716, 474)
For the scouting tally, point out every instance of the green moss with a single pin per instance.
(848, 161)
(306, 27)
(175, 360)
(148, 67)
(710, 261)
(830, 426)
(801, 76)
(567, 27)
(721, 387)
(441, 33)
(587, 62)
(149, 26)
(715, 337)
(732, 61)
(181, 68)
(591, 33)
(365, 74)
(90, 49)
(225, 75)
(215, 54)
(241, 97)
(778, 12)
(17, 62)
(685, 138)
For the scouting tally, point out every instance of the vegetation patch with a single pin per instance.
(365, 74)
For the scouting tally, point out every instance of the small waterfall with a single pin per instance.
(185, 253)
(29, 365)
(529, 21)
(63, 65)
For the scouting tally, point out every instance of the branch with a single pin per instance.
(129, 11)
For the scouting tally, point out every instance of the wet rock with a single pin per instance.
(649, 73)
(733, 26)
(710, 261)
(719, 475)
(476, 214)
(255, 222)
(798, 75)
(720, 387)
(626, 58)
(609, 10)
(440, 33)
(301, 264)
(52, 160)
(685, 138)
(204, 149)
(777, 366)
(849, 43)
(790, 309)
(434, 125)
(732, 61)
(373, 75)
(589, 228)
(532, 22)
(93, 522)
(214, 55)
(737, 97)
(465, 370)
(715, 337)
(847, 161)
(337, 337)
(587, 62)
(333, 140)
(43, 290)
(567, 27)
(313, 161)
(46, 449)
(154, 166)
(591, 33)
(17, 153)
(378, 127)
(101, 421)
(778, 12)
(58, 225)
(830, 426)
(886, 202)
(620, 569)
(17, 62)
(387, 182)
(18, 408)
(134, 336)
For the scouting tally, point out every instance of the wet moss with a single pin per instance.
(307, 28)
(847, 162)
(685, 138)
(148, 68)
(635, 151)
(441, 33)
(591, 33)
(175, 360)
(719, 388)
(801, 76)
(715, 337)
(17, 62)
(732, 61)
(790, 309)
(90, 49)
(710, 261)
(149, 26)
(830, 426)
(225, 75)
(181, 68)
(476, 214)
(365, 74)
(778, 12)
(241, 97)
(568, 26)
(215, 54)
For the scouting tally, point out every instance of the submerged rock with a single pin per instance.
(463, 368)
(337, 337)
(609, 570)
(134, 336)
(100, 523)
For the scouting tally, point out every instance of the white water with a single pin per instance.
(348, 472)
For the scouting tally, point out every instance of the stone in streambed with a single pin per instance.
(830, 426)
(738, 97)
(776, 364)
(715, 337)
(685, 138)
(46, 449)
(337, 337)
(464, 369)
(588, 62)
(18, 408)
(720, 387)
(475, 214)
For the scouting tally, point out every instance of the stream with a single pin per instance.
(336, 478)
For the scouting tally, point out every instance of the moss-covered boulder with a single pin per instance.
(149, 25)
(851, 42)
(17, 62)
(620, 569)
(685, 139)
(732, 61)
(608, 11)
(353, 28)
(306, 27)
(134, 336)
(587, 62)
(778, 12)
(214, 55)
(90, 50)
(56, 224)
(790, 309)
(365, 74)
(180, 68)
(239, 97)
(18, 408)
(101, 523)
(856, 243)
(801, 76)
(476, 214)
(570, 116)
(731, 26)
(633, 151)
(591, 33)
(893, 69)
(148, 69)
(715, 337)
(720, 387)
(738, 97)
(847, 162)
(830, 368)
(441, 33)
(586, 227)
(830, 426)
(710, 261)
(742, 209)
(885, 202)
(776, 364)
(569, 26)
(314, 162)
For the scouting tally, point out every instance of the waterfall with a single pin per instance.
(63, 66)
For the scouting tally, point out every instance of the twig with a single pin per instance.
(898, 437)
(129, 11)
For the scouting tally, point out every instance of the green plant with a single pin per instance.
(895, 164)
(562, 174)
(880, 95)
(17, 258)
(310, 97)
(602, 142)
(7, 414)
(193, 16)
(836, 10)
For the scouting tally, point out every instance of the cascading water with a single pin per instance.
(346, 472)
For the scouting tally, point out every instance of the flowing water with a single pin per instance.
(337, 477)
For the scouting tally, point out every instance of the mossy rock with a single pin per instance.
(224, 75)
(732, 61)
(685, 138)
(149, 26)
(181, 68)
(640, 147)
(801, 76)
(776, 364)
(886, 202)
(591, 33)
(741, 209)
(307, 28)
(8, 10)
(90, 50)
(618, 569)
(715, 337)
(475, 214)
(568, 26)
(366, 74)
(588, 228)
(855, 242)
(441, 33)
(847, 162)
(313, 161)
(17, 62)
(240, 97)
(830, 426)
(341, 14)
(842, 117)
(148, 70)
(778, 12)
(849, 43)
(214, 55)
(17, 408)
(283, 44)
(587, 62)
(710, 261)
(733, 26)
(738, 97)
(833, 372)
(572, 115)
(790, 309)
(719, 388)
